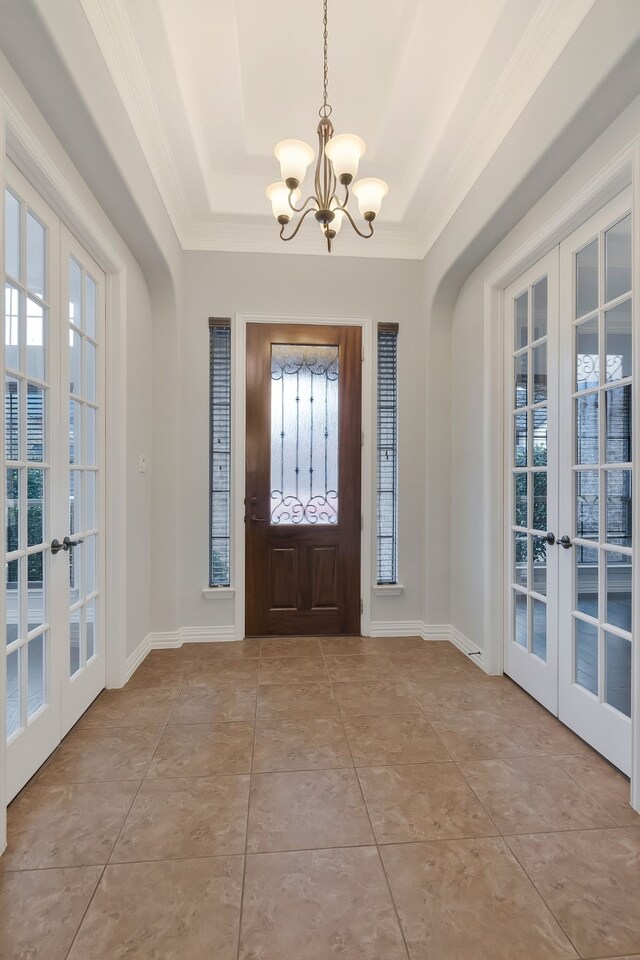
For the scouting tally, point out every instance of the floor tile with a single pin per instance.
(305, 810)
(461, 899)
(170, 910)
(160, 675)
(444, 696)
(141, 707)
(483, 734)
(102, 753)
(229, 649)
(319, 904)
(40, 911)
(531, 795)
(424, 801)
(553, 737)
(66, 825)
(360, 668)
(591, 880)
(290, 647)
(202, 749)
(604, 783)
(429, 669)
(361, 698)
(384, 646)
(293, 670)
(397, 739)
(224, 670)
(173, 819)
(290, 700)
(300, 745)
(208, 702)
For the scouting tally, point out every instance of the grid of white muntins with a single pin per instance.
(27, 443)
(603, 471)
(529, 468)
(83, 467)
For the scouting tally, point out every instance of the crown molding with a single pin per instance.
(549, 31)
(111, 27)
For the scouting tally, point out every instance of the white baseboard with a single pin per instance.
(429, 631)
(386, 628)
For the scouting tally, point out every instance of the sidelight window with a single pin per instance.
(387, 454)
(219, 451)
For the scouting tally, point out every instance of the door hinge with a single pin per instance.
(361, 605)
(362, 354)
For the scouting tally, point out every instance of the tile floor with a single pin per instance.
(352, 798)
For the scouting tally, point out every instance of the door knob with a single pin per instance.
(550, 538)
(68, 542)
(56, 546)
(565, 541)
(254, 519)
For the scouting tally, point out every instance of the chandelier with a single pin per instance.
(338, 159)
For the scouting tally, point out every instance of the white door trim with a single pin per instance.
(238, 433)
(20, 144)
(622, 170)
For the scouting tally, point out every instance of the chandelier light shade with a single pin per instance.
(337, 164)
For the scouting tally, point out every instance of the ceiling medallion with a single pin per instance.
(338, 158)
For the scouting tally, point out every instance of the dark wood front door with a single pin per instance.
(302, 507)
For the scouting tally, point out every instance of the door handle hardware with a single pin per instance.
(565, 541)
(68, 543)
(56, 546)
(550, 538)
(254, 519)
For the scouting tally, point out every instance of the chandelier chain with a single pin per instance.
(325, 109)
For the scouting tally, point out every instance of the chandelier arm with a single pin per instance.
(300, 222)
(308, 200)
(341, 206)
(365, 236)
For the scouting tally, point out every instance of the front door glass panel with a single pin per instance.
(304, 434)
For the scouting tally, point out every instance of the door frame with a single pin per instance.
(20, 144)
(621, 171)
(238, 434)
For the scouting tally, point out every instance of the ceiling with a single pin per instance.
(433, 87)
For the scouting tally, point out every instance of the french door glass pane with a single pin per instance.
(619, 416)
(90, 520)
(35, 339)
(35, 256)
(539, 549)
(90, 627)
(618, 612)
(75, 362)
(12, 600)
(586, 655)
(619, 514)
(90, 436)
(521, 363)
(75, 431)
(520, 627)
(13, 510)
(35, 506)
(587, 355)
(520, 575)
(36, 674)
(520, 499)
(12, 397)
(75, 501)
(539, 500)
(618, 259)
(35, 423)
(304, 434)
(74, 641)
(89, 554)
(75, 292)
(540, 426)
(617, 325)
(540, 309)
(13, 693)
(90, 307)
(586, 560)
(520, 440)
(617, 654)
(11, 327)
(539, 355)
(521, 337)
(539, 616)
(587, 505)
(36, 572)
(587, 278)
(89, 371)
(587, 431)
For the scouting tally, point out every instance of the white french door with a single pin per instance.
(568, 637)
(54, 319)
(531, 655)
